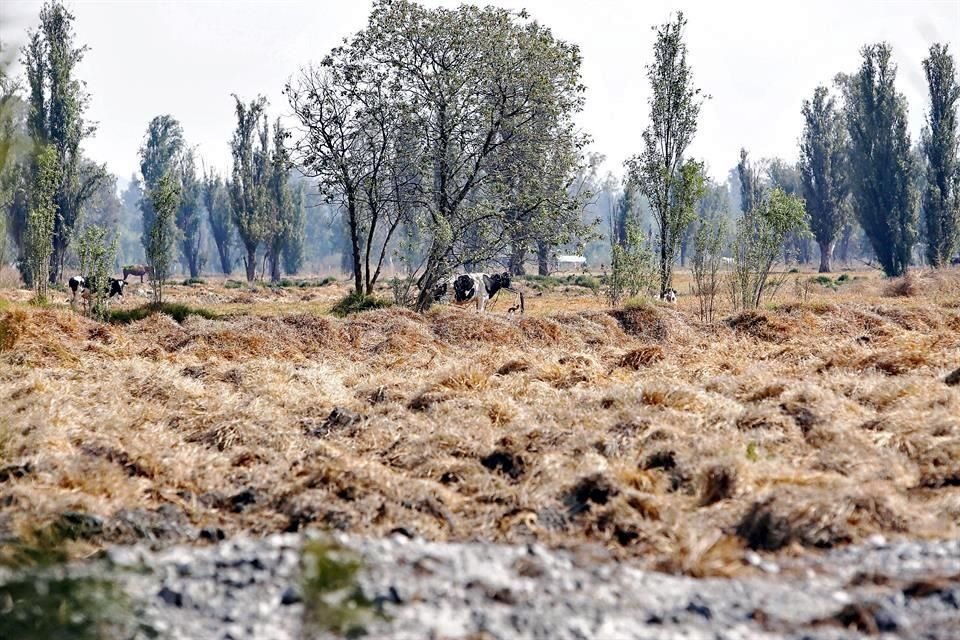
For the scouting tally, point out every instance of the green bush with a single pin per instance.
(192, 281)
(178, 312)
(233, 284)
(356, 302)
(587, 282)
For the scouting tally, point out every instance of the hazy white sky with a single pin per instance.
(758, 59)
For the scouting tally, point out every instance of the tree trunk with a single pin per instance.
(250, 262)
(224, 252)
(826, 250)
(57, 258)
(666, 266)
(274, 266)
(355, 249)
(543, 258)
(517, 259)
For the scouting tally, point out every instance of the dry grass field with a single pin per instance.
(680, 445)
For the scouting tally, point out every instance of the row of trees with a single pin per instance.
(856, 161)
(445, 139)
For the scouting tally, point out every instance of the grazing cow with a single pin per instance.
(79, 284)
(137, 270)
(670, 295)
(478, 288)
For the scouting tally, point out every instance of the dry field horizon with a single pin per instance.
(817, 421)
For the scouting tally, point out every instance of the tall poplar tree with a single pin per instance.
(941, 191)
(881, 166)
(823, 171)
(672, 182)
(58, 102)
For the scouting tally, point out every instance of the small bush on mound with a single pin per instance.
(178, 312)
(233, 284)
(357, 302)
(189, 282)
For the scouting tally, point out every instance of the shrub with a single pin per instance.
(96, 256)
(356, 302)
(189, 282)
(707, 245)
(233, 284)
(632, 268)
(759, 239)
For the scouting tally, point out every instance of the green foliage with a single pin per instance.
(61, 607)
(188, 219)
(753, 451)
(672, 183)
(332, 596)
(823, 171)
(476, 152)
(294, 233)
(881, 165)
(189, 282)
(758, 241)
(249, 188)
(55, 121)
(97, 255)
(179, 312)
(164, 199)
(941, 149)
(216, 200)
(233, 284)
(708, 244)
(159, 157)
(355, 302)
(41, 218)
(632, 268)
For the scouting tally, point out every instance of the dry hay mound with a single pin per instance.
(764, 325)
(43, 337)
(645, 322)
(822, 519)
(390, 331)
(457, 327)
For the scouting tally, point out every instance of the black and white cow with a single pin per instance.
(478, 288)
(80, 285)
(670, 296)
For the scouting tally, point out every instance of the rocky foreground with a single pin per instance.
(409, 588)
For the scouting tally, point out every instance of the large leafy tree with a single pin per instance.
(823, 171)
(160, 156)
(249, 188)
(58, 101)
(881, 167)
(474, 83)
(672, 182)
(941, 192)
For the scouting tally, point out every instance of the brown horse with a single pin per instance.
(137, 270)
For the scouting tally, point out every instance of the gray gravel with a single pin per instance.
(249, 588)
